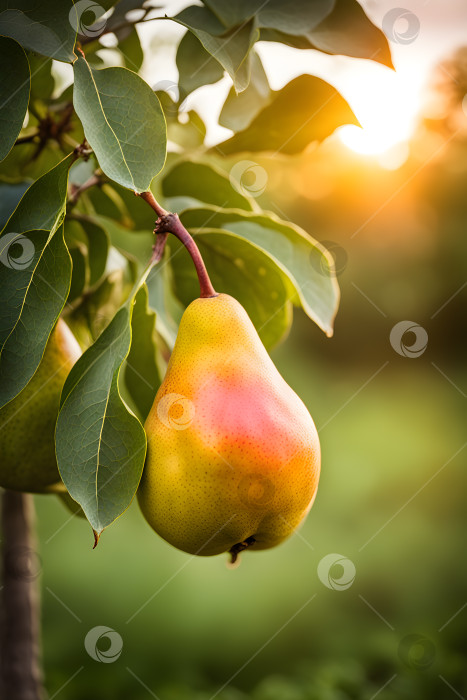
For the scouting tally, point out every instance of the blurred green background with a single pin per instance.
(391, 496)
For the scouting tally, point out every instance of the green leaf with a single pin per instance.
(14, 92)
(130, 144)
(80, 271)
(142, 374)
(162, 299)
(230, 47)
(130, 47)
(98, 249)
(306, 265)
(42, 80)
(196, 67)
(35, 272)
(10, 195)
(294, 18)
(204, 183)
(307, 109)
(240, 268)
(42, 288)
(189, 135)
(240, 110)
(346, 30)
(100, 445)
(46, 27)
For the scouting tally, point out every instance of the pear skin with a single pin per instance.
(233, 454)
(27, 423)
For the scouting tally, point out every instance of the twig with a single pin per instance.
(168, 222)
(76, 191)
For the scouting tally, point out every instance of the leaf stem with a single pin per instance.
(168, 222)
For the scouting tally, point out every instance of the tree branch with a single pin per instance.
(20, 667)
(170, 223)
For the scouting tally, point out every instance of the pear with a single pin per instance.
(27, 423)
(233, 454)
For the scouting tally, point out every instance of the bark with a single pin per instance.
(20, 672)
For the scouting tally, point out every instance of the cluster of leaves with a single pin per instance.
(78, 242)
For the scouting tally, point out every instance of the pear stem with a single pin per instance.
(170, 223)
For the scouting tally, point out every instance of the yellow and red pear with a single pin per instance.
(27, 423)
(233, 453)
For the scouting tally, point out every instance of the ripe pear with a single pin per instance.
(27, 423)
(233, 454)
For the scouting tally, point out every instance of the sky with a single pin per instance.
(385, 102)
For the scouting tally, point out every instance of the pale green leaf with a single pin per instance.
(123, 123)
(306, 265)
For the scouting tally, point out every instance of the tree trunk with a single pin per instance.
(20, 674)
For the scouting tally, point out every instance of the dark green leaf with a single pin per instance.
(14, 92)
(142, 373)
(130, 47)
(307, 109)
(80, 272)
(204, 183)
(196, 67)
(346, 30)
(42, 288)
(242, 269)
(100, 445)
(98, 249)
(46, 27)
(229, 47)
(130, 144)
(9, 198)
(240, 110)
(42, 80)
(35, 272)
(291, 18)
(306, 265)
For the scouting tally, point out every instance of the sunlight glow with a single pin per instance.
(387, 112)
